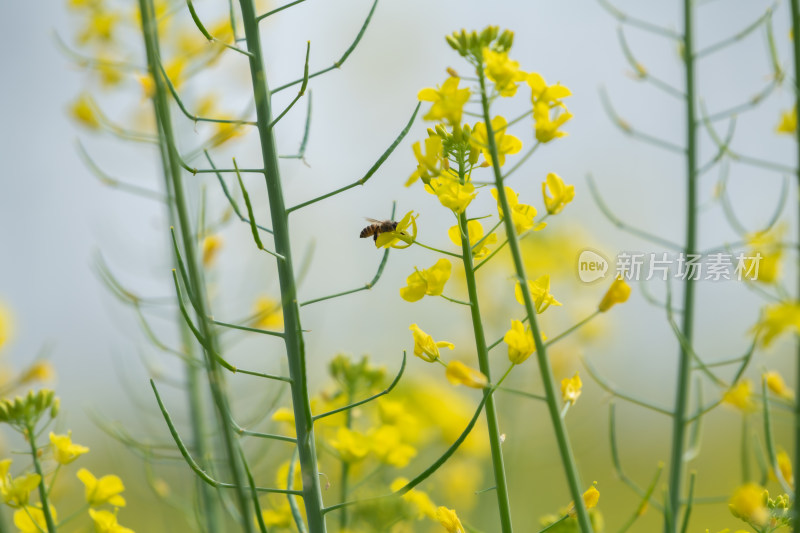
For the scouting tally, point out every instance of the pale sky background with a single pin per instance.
(54, 215)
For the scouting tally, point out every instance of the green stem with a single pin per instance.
(685, 364)
(211, 504)
(344, 515)
(483, 361)
(565, 450)
(293, 336)
(197, 287)
(796, 52)
(43, 497)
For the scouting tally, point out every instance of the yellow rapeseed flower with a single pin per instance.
(268, 313)
(777, 319)
(785, 467)
(280, 517)
(107, 489)
(562, 194)
(403, 235)
(475, 232)
(788, 123)
(520, 342)
(551, 95)
(540, 292)
(5, 325)
(458, 373)
(64, 450)
(504, 72)
(429, 164)
(748, 504)
(740, 396)
(506, 144)
(419, 500)
(211, 245)
(522, 215)
(430, 281)
(571, 388)
(449, 520)
(617, 293)
(31, 519)
(99, 27)
(452, 193)
(776, 384)
(106, 522)
(425, 347)
(547, 124)
(352, 445)
(590, 499)
(16, 491)
(448, 101)
(83, 110)
(388, 446)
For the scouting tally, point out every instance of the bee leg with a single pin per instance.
(375, 237)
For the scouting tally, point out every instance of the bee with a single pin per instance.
(377, 227)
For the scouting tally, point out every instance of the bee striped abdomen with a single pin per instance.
(378, 227)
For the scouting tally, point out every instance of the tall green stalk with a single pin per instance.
(796, 51)
(196, 286)
(293, 335)
(501, 486)
(685, 365)
(564, 448)
(37, 466)
(210, 502)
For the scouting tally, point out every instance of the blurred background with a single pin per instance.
(55, 218)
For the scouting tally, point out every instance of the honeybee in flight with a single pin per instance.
(377, 227)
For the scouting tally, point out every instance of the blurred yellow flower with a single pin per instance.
(617, 293)
(352, 445)
(504, 72)
(430, 281)
(279, 517)
(388, 446)
(16, 491)
(448, 101)
(748, 504)
(788, 123)
(283, 414)
(30, 519)
(475, 231)
(776, 384)
(458, 373)
(520, 342)
(785, 467)
(740, 396)
(268, 313)
(106, 522)
(562, 194)
(571, 389)
(431, 163)
(522, 215)
(64, 450)
(99, 26)
(506, 144)
(540, 293)
(425, 347)
(762, 262)
(107, 489)
(38, 371)
(5, 325)
(84, 111)
(449, 520)
(777, 319)
(590, 499)
(211, 245)
(418, 499)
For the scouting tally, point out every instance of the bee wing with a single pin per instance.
(374, 221)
